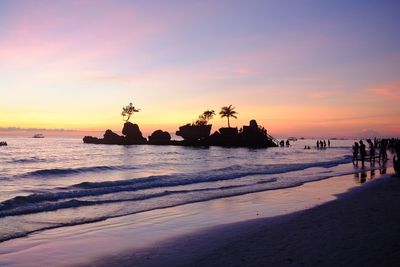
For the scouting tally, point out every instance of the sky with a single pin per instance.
(300, 68)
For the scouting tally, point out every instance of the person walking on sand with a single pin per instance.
(329, 143)
(355, 153)
(363, 153)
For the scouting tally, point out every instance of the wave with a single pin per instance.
(74, 203)
(69, 171)
(87, 189)
(27, 160)
(75, 210)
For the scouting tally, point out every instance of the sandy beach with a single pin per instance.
(360, 228)
(346, 220)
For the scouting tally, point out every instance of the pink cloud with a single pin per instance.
(40, 34)
(391, 90)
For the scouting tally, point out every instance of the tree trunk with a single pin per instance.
(229, 125)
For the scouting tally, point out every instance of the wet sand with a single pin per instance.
(279, 227)
(360, 228)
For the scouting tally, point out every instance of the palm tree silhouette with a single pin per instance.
(128, 111)
(228, 111)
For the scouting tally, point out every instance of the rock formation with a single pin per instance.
(160, 137)
(133, 136)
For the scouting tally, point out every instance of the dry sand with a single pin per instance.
(360, 228)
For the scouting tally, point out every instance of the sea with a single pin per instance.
(48, 183)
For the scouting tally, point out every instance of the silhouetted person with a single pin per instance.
(371, 151)
(287, 143)
(382, 150)
(363, 153)
(324, 143)
(355, 153)
(317, 143)
(329, 143)
(321, 144)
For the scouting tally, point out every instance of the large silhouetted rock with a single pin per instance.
(132, 133)
(252, 135)
(229, 133)
(109, 138)
(133, 136)
(160, 137)
(194, 132)
(112, 138)
(91, 140)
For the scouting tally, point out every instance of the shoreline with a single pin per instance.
(359, 228)
(148, 230)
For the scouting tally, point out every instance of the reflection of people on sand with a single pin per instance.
(360, 177)
(363, 176)
(383, 170)
(372, 174)
(396, 157)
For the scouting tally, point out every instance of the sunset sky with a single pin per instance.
(300, 68)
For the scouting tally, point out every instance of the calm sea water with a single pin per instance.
(54, 182)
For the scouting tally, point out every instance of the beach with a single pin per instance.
(336, 221)
(360, 228)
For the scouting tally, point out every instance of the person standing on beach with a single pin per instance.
(382, 150)
(363, 153)
(371, 151)
(355, 153)
(329, 143)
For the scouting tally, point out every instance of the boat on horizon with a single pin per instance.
(38, 136)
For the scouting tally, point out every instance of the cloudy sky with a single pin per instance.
(302, 68)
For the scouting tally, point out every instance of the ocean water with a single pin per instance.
(55, 182)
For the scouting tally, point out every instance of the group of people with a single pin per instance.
(360, 152)
(3, 143)
(282, 143)
(323, 143)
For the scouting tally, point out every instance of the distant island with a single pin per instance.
(193, 134)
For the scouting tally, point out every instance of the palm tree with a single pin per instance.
(128, 111)
(228, 112)
(205, 117)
